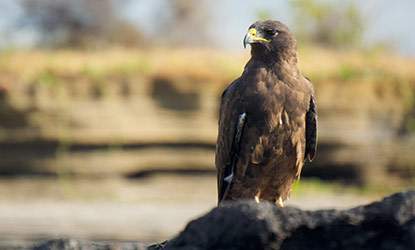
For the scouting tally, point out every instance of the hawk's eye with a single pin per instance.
(270, 32)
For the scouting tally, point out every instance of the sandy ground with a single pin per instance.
(151, 210)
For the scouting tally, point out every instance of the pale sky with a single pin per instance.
(386, 21)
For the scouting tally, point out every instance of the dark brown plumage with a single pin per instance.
(267, 121)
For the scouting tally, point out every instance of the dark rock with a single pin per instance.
(72, 244)
(158, 246)
(385, 225)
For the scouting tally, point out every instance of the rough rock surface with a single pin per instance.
(385, 225)
(389, 224)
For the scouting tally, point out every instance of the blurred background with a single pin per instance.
(108, 109)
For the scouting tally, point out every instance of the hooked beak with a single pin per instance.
(247, 40)
(252, 36)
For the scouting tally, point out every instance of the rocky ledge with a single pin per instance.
(389, 224)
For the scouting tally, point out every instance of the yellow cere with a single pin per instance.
(252, 32)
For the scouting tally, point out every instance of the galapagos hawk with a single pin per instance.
(267, 120)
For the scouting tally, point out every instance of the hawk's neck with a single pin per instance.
(284, 69)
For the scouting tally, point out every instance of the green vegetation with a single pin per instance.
(263, 14)
(48, 78)
(327, 23)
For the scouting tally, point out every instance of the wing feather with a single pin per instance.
(231, 168)
(226, 132)
(311, 130)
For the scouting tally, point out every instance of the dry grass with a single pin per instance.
(206, 65)
(331, 63)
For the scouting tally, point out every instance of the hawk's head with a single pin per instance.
(271, 39)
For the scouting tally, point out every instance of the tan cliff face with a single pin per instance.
(140, 106)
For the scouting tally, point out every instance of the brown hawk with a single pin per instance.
(267, 120)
